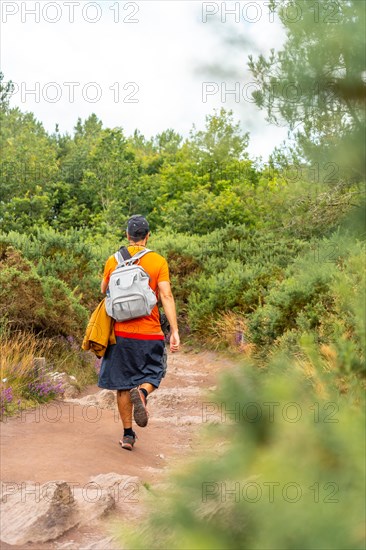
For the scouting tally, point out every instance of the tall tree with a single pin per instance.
(316, 83)
(28, 166)
(6, 89)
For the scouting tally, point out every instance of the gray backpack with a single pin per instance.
(129, 294)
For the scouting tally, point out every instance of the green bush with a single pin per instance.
(67, 256)
(296, 302)
(231, 269)
(322, 293)
(32, 302)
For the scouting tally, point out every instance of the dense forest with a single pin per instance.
(267, 262)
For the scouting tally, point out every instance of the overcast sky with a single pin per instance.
(140, 64)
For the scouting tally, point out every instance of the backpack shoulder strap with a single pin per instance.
(139, 255)
(124, 257)
(125, 253)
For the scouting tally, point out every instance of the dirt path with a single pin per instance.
(72, 442)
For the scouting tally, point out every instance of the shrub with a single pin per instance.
(65, 256)
(322, 294)
(296, 302)
(42, 388)
(32, 302)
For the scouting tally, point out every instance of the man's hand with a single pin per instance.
(174, 341)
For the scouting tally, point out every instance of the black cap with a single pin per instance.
(137, 226)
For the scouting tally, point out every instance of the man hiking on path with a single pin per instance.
(135, 365)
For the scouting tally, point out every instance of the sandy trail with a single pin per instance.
(71, 442)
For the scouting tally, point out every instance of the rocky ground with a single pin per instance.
(65, 481)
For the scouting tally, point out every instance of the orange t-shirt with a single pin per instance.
(157, 268)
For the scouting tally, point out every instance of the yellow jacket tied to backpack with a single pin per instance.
(99, 332)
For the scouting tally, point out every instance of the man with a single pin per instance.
(135, 365)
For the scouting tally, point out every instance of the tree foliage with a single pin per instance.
(316, 83)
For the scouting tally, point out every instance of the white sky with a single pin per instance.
(162, 47)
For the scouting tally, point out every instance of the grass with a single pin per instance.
(230, 331)
(24, 379)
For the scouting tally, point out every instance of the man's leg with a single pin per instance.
(139, 398)
(125, 407)
(125, 404)
(148, 387)
(125, 411)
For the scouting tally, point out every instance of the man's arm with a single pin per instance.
(106, 275)
(167, 299)
(103, 286)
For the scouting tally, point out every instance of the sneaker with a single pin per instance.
(140, 413)
(128, 441)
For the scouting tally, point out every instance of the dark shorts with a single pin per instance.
(131, 362)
